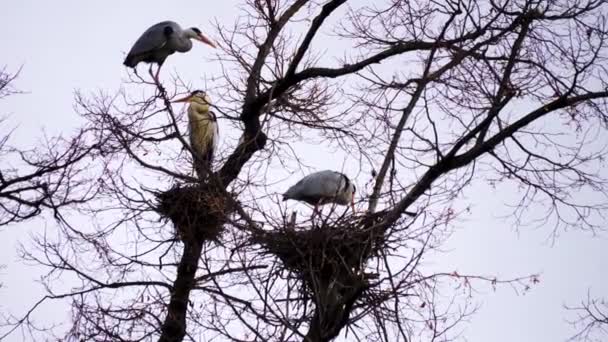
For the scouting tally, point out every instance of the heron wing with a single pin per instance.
(153, 38)
(216, 135)
(319, 184)
(204, 131)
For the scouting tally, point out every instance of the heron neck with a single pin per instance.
(186, 44)
(199, 109)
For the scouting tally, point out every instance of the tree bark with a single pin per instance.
(174, 326)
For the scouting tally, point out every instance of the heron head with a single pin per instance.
(195, 33)
(199, 98)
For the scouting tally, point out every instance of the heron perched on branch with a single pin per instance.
(204, 132)
(160, 41)
(323, 187)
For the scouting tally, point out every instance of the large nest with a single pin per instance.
(328, 260)
(197, 211)
(330, 251)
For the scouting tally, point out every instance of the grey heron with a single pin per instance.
(161, 40)
(321, 188)
(204, 132)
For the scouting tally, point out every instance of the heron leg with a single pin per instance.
(155, 77)
(315, 211)
(158, 72)
(150, 71)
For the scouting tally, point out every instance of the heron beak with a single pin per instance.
(183, 99)
(206, 41)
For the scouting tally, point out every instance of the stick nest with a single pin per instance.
(335, 250)
(197, 211)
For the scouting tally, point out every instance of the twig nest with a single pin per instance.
(333, 250)
(197, 211)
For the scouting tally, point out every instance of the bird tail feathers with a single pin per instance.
(129, 61)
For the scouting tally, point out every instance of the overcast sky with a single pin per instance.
(68, 45)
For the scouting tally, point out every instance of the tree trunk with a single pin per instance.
(314, 331)
(174, 326)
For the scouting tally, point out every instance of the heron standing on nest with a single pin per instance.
(161, 40)
(323, 187)
(204, 132)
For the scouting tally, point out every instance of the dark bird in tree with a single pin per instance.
(204, 132)
(160, 41)
(323, 187)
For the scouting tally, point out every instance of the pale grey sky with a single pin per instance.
(67, 45)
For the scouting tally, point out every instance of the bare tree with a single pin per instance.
(591, 319)
(431, 97)
(43, 177)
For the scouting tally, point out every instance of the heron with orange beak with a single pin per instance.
(204, 132)
(161, 40)
(323, 187)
